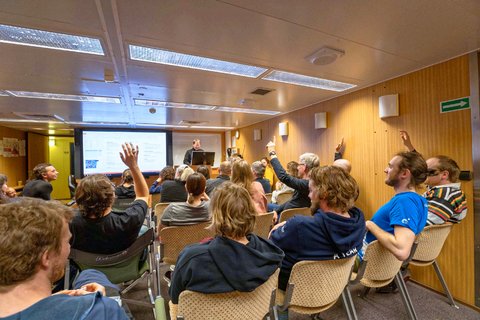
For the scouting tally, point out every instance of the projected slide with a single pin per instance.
(101, 151)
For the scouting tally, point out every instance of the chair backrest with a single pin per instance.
(228, 306)
(288, 213)
(430, 242)
(120, 205)
(72, 185)
(159, 208)
(174, 239)
(381, 266)
(120, 266)
(269, 197)
(284, 197)
(263, 224)
(156, 198)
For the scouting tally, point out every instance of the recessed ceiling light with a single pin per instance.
(307, 81)
(157, 103)
(66, 97)
(246, 110)
(50, 40)
(195, 62)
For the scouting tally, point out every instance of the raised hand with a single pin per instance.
(406, 140)
(129, 155)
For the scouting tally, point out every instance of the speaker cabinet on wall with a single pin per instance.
(388, 106)
(321, 120)
(283, 129)
(257, 134)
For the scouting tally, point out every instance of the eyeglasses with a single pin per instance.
(301, 164)
(432, 172)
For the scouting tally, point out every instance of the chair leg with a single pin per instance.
(348, 304)
(405, 296)
(444, 284)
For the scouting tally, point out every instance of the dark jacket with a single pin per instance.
(173, 191)
(38, 189)
(125, 193)
(300, 197)
(213, 183)
(224, 265)
(325, 236)
(267, 188)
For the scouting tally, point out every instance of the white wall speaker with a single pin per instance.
(257, 134)
(321, 120)
(388, 106)
(283, 129)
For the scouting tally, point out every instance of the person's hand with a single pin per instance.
(204, 196)
(340, 147)
(275, 217)
(159, 179)
(129, 155)
(94, 287)
(406, 140)
(276, 227)
(271, 145)
(368, 224)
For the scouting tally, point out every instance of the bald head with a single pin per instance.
(344, 164)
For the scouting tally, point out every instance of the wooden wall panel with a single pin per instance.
(371, 142)
(37, 150)
(13, 167)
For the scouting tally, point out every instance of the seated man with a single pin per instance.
(224, 173)
(446, 201)
(236, 259)
(96, 228)
(34, 246)
(40, 186)
(336, 229)
(258, 173)
(397, 222)
(300, 198)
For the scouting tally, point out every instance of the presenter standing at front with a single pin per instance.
(188, 154)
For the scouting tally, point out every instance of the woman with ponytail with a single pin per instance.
(194, 210)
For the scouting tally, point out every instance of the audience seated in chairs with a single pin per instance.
(204, 171)
(243, 176)
(167, 173)
(236, 259)
(174, 190)
(96, 228)
(27, 271)
(224, 173)
(194, 210)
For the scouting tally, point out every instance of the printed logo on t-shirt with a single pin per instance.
(405, 220)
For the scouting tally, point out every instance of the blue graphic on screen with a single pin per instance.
(91, 164)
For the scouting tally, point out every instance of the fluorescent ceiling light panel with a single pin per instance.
(216, 128)
(245, 110)
(159, 125)
(298, 79)
(195, 62)
(67, 97)
(50, 40)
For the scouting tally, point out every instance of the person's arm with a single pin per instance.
(406, 141)
(130, 158)
(400, 243)
(285, 235)
(339, 151)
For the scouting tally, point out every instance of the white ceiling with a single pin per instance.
(381, 39)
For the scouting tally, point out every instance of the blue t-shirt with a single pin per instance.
(406, 209)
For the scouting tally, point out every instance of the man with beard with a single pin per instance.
(397, 222)
(34, 248)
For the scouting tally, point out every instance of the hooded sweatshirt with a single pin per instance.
(224, 265)
(123, 192)
(324, 236)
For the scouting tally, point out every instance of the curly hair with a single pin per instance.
(28, 228)
(336, 186)
(94, 194)
(233, 211)
(167, 173)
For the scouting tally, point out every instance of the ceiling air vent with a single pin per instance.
(261, 91)
(40, 117)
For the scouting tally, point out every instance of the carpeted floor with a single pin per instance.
(428, 305)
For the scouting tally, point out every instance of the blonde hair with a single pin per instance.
(336, 186)
(186, 173)
(233, 211)
(242, 174)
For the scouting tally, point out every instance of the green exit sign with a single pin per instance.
(454, 105)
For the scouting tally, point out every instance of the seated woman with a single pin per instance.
(194, 210)
(236, 259)
(174, 190)
(126, 189)
(280, 186)
(96, 228)
(336, 229)
(167, 173)
(243, 176)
